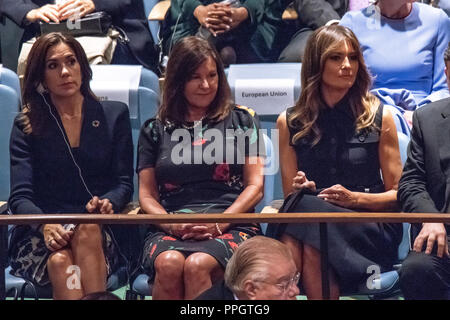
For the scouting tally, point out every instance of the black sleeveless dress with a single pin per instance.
(343, 156)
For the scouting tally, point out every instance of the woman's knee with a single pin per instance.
(310, 253)
(169, 264)
(87, 234)
(59, 261)
(199, 264)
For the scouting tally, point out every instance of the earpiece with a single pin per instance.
(40, 88)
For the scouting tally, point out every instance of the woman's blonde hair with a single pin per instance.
(320, 46)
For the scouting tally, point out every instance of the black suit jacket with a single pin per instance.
(128, 15)
(425, 183)
(316, 13)
(219, 291)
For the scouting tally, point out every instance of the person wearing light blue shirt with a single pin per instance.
(403, 43)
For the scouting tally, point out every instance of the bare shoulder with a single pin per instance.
(388, 120)
(281, 121)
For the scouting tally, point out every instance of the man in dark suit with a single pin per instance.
(425, 187)
(260, 269)
(128, 15)
(312, 14)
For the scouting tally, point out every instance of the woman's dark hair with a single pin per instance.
(32, 111)
(185, 58)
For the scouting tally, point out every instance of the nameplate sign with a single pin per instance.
(265, 95)
(117, 83)
(267, 88)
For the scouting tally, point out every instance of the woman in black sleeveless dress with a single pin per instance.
(340, 148)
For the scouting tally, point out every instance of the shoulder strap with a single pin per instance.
(379, 116)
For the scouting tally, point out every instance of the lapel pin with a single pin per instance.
(95, 123)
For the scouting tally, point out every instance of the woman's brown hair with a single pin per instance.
(185, 58)
(320, 46)
(34, 108)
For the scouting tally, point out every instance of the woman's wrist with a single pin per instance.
(221, 228)
(167, 228)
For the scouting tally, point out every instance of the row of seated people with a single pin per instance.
(338, 147)
(128, 16)
(402, 81)
(410, 80)
(249, 32)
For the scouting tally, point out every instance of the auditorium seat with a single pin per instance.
(10, 79)
(145, 102)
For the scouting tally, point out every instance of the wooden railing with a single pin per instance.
(312, 217)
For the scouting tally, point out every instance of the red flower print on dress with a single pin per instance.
(244, 236)
(169, 238)
(226, 236)
(233, 245)
(222, 172)
(153, 250)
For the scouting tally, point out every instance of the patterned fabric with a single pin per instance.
(29, 257)
(199, 186)
(189, 169)
(221, 247)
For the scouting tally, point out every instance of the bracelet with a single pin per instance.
(218, 229)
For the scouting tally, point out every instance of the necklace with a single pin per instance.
(196, 123)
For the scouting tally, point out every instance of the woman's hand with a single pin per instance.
(300, 182)
(46, 13)
(238, 15)
(214, 17)
(56, 237)
(340, 196)
(102, 206)
(199, 232)
(75, 8)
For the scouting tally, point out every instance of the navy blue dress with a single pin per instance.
(344, 156)
(44, 179)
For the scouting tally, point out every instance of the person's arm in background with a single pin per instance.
(440, 89)
(24, 12)
(255, 11)
(413, 195)
(315, 13)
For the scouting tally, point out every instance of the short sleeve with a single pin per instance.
(249, 130)
(148, 144)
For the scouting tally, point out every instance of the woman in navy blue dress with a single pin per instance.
(69, 154)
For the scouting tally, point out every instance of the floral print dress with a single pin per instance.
(199, 169)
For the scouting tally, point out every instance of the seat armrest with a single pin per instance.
(3, 207)
(159, 11)
(289, 13)
(131, 208)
